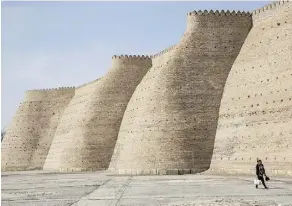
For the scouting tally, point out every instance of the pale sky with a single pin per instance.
(52, 44)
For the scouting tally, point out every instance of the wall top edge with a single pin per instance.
(51, 89)
(88, 83)
(163, 52)
(131, 57)
(193, 13)
(218, 13)
(269, 7)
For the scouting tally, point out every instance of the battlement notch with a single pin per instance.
(218, 13)
(269, 7)
(40, 94)
(214, 19)
(50, 89)
(163, 52)
(131, 59)
(88, 83)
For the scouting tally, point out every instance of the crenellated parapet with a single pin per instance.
(218, 13)
(51, 89)
(215, 19)
(88, 83)
(266, 12)
(162, 52)
(269, 7)
(131, 59)
(158, 59)
(40, 94)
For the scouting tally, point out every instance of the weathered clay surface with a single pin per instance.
(170, 122)
(69, 130)
(29, 136)
(256, 108)
(86, 137)
(167, 123)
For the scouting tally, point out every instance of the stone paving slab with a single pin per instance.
(104, 189)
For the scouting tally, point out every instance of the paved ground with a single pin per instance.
(100, 188)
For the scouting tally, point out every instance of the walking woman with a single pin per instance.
(260, 171)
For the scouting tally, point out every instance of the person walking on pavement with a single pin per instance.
(260, 172)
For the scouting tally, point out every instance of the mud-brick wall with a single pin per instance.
(170, 122)
(256, 109)
(31, 131)
(88, 143)
(70, 128)
(159, 58)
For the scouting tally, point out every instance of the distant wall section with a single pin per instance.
(31, 131)
(86, 137)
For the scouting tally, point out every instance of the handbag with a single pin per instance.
(257, 182)
(267, 178)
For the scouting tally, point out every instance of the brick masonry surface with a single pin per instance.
(87, 134)
(170, 122)
(255, 119)
(29, 136)
(218, 99)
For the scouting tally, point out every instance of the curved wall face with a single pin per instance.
(58, 102)
(30, 134)
(256, 109)
(89, 144)
(170, 122)
(70, 129)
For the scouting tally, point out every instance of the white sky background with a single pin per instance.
(52, 44)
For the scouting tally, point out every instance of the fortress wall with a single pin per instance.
(256, 109)
(71, 124)
(170, 122)
(158, 59)
(267, 12)
(30, 133)
(88, 144)
(87, 85)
